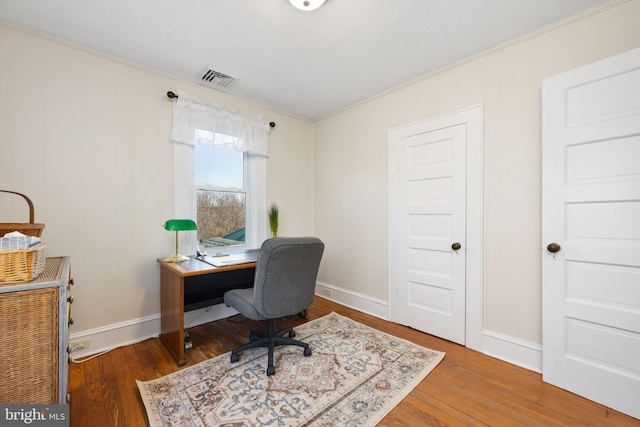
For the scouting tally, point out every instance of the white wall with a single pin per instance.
(87, 137)
(351, 172)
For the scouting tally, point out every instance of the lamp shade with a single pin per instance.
(180, 225)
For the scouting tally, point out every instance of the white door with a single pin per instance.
(591, 232)
(428, 224)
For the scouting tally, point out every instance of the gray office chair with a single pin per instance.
(284, 285)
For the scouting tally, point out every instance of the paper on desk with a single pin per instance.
(223, 261)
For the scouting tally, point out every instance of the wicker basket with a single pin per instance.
(30, 229)
(21, 265)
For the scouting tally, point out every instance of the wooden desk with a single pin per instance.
(194, 284)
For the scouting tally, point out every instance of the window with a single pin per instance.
(220, 187)
(219, 175)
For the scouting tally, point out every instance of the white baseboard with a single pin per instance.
(119, 334)
(355, 300)
(516, 351)
(509, 349)
(512, 350)
(207, 314)
(116, 335)
(132, 331)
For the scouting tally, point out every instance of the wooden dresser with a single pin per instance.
(34, 334)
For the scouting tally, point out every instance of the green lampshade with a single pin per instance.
(180, 225)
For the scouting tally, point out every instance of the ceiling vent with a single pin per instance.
(213, 78)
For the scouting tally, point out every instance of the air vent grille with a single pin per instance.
(211, 77)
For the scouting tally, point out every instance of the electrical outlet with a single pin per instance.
(79, 345)
(327, 292)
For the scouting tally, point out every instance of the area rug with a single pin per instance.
(355, 376)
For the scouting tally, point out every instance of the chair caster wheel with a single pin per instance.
(234, 358)
(292, 333)
(307, 352)
(271, 370)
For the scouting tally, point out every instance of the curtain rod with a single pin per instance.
(172, 95)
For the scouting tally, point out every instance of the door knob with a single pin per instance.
(553, 247)
(456, 246)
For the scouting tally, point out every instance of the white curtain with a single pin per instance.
(196, 122)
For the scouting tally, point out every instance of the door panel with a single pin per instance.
(591, 206)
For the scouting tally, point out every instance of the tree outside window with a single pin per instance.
(221, 196)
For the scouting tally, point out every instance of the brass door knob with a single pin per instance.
(553, 247)
(456, 246)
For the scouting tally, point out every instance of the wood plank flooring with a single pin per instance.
(467, 388)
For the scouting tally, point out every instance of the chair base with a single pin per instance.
(271, 339)
(302, 315)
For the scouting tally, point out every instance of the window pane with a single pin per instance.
(218, 167)
(221, 217)
(220, 193)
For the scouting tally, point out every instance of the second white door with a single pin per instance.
(427, 229)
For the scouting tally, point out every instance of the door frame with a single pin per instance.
(473, 118)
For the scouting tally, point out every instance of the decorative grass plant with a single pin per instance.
(273, 219)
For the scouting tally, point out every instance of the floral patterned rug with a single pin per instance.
(355, 376)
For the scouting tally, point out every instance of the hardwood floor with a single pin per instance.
(467, 388)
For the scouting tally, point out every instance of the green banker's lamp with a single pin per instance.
(179, 225)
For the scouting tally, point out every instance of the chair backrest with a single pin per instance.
(286, 275)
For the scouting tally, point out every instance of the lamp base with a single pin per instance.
(176, 258)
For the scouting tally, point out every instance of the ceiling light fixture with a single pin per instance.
(307, 5)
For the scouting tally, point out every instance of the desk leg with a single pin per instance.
(172, 320)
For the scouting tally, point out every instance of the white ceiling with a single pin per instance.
(307, 63)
